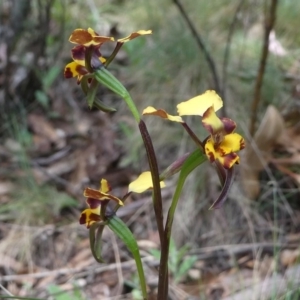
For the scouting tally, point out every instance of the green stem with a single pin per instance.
(127, 98)
(194, 160)
(123, 232)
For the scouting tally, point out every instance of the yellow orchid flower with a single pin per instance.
(222, 143)
(90, 39)
(195, 106)
(77, 67)
(96, 198)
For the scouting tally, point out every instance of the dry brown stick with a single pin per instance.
(202, 47)
(269, 24)
(227, 48)
(237, 248)
(77, 271)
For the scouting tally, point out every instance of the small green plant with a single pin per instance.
(178, 264)
(134, 284)
(48, 77)
(57, 293)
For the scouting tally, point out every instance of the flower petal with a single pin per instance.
(74, 69)
(89, 216)
(104, 186)
(95, 194)
(94, 204)
(210, 150)
(88, 37)
(134, 35)
(225, 152)
(143, 183)
(211, 121)
(161, 113)
(232, 143)
(198, 105)
(228, 125)
(78, 53)
(229, 160)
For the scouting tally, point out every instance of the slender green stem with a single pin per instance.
(194, 160)
(127, 98)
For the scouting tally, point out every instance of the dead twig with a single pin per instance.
(202, 47)
(5, 290)
(80, 272)
(269, 24)
(227, 49)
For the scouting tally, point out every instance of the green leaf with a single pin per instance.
(155, 253)
(182, 251)
(58, 293)
(184, 267)
(42, 98)
(124, 233)
(91, 93)
(50, 76)
(106, 78)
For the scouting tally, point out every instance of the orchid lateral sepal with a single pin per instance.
(225, 189)
(101, 106)
(90, 91)
(95, 234)
(221, 171)
(124, 234)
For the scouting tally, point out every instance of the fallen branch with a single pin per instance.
(202, 47)
(269, 24)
